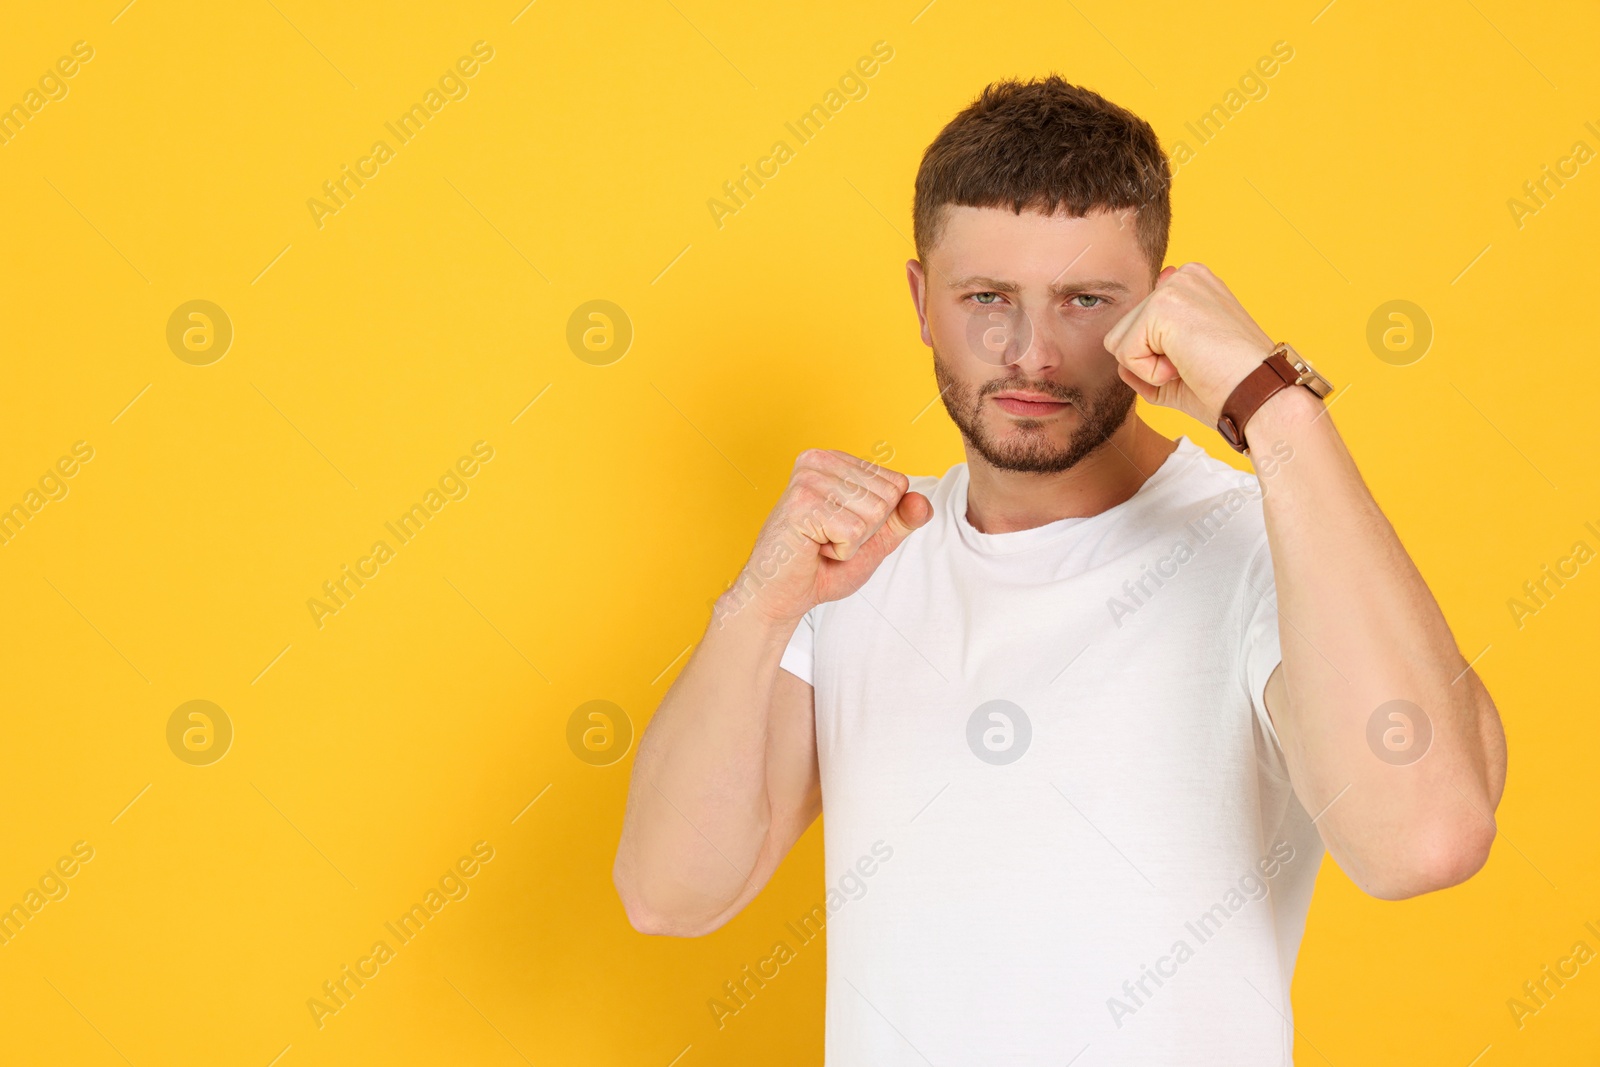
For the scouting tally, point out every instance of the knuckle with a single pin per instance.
(803, 499)
(858, 492)
(808, 478)
(859, 463)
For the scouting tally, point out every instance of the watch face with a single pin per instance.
(1308, 374)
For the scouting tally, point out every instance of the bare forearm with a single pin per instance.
(1406, 805)
(698, 806)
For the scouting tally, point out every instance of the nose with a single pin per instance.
(1042, 350)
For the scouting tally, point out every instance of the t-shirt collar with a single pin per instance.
(997, 544)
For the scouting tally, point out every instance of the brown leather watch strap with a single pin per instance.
(1274, 373)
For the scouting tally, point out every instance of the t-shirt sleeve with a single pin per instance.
(797, 655)
(1261, 652)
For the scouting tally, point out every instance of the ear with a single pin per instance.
(919, 282)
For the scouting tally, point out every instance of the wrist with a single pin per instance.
(741, 608)
(1281, 415)
(1245, 358)
(1278, 378)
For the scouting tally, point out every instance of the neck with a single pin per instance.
(1002, 501)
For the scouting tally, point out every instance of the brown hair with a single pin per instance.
(1046, 145)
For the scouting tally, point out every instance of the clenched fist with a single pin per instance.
(839, 517)
(1188, 343)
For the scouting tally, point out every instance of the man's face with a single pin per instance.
(1016, 309)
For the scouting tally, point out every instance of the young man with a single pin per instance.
(1084, 711)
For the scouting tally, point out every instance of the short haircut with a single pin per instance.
(1046, 145)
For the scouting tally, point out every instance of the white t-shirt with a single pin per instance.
(1058, 822)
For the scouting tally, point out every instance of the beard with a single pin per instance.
(1030, 447)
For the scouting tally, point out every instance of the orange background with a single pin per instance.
(370, 353)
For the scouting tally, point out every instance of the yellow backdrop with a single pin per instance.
(311, 416)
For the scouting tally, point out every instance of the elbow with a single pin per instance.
(649, 917)
(1445, 857)
(648, 922)
(640, 917)
(660, 924)
(655, 923)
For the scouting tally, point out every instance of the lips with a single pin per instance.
(1031, 405)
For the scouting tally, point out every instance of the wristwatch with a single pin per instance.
(1282, 368)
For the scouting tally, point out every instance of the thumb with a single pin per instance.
(913, 511)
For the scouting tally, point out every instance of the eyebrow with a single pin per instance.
(978, 281)
(995, 285)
